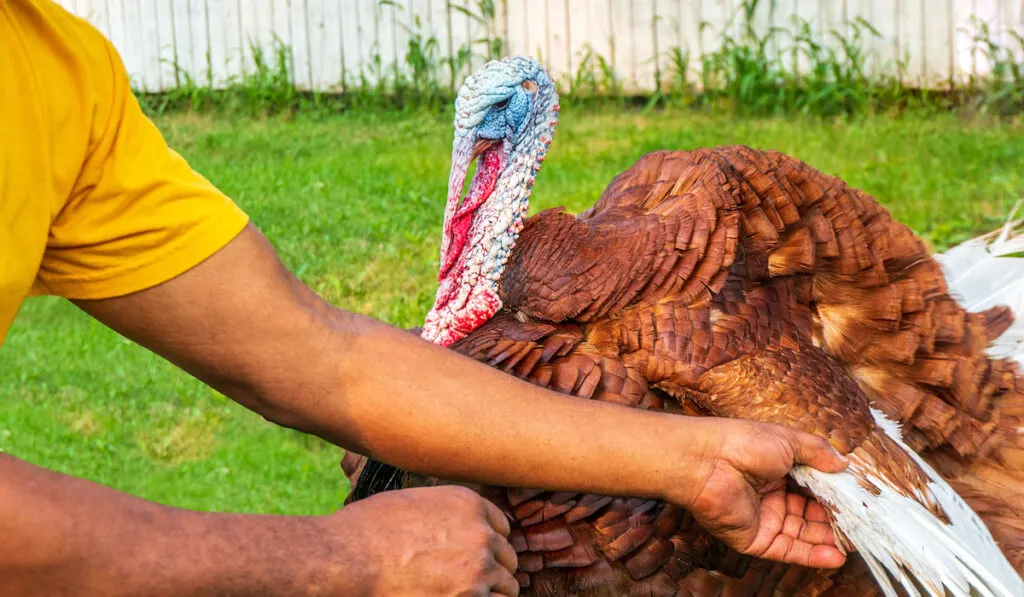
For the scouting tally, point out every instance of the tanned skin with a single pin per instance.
(246, 326)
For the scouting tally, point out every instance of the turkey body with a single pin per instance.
(741, 283)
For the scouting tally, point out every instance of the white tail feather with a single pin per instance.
(902, 541)
(988, 271)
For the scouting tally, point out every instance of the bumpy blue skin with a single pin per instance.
(506, 118)
(492, 102)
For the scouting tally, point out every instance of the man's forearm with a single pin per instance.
(67, 536)
(243, 323)
(433, 411)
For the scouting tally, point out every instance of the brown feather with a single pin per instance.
(745, 283)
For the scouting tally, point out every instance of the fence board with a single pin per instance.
(692, 45)
(183, 43)
(165, 43)
(937, 44)
(623, 51)
(645, 42)
(234, 41)
(1013, 21)
(335, 40)
(350, 46)
(580, 30)
(887, 47)
(362, 26)
(459, 38)
(664, 14)
(198, 26)
(871, 46)
(518, 40)
(439, 27)
(811, 12)
(559, 59)
(255, 35)
(715, 18)
(987, 12)
(833, 21)
(296, 18)
(326, 61)
(221, 60)
(387, 37)
(540, 30)
(912, 31)
(966, 58)
(786, 14)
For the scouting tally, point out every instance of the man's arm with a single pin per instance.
(63, 535)
(67, 536)
(244, 324)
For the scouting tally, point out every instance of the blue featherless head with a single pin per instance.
(505, 117)
(497, 100)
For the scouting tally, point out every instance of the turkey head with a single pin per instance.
(505, 116)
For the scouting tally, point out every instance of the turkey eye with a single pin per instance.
(502, 104)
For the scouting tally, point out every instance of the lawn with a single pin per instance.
(353, 204)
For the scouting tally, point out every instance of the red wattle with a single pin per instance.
(458, 233)
(457, 227)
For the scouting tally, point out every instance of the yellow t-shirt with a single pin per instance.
(93, 204)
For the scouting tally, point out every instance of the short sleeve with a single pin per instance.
(138, 214)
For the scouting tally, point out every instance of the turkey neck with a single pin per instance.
(497, 224)
(481, 230)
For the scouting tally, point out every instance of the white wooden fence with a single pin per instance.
(333, 42)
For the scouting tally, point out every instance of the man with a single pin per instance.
(94, 207)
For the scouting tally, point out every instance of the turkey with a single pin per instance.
(737, 283)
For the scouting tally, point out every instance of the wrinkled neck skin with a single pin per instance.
(468, 293)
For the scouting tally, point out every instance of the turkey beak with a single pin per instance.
(480, 147)
(464, 150)
(462, 154)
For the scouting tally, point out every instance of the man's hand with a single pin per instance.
(427, 542)
(739, 492)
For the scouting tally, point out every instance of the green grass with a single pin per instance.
(353, 204)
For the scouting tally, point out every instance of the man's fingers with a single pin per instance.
(804, 543)
(497, 519)
(505, 554)
(807, 520)
(816, 452)
(825, 556)
(817, 533)
(786, 549)
(794, 526)
(787, 535)
(793, 551)
(795, 503)
(769, 521)
(504, 583)
(815, 512)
